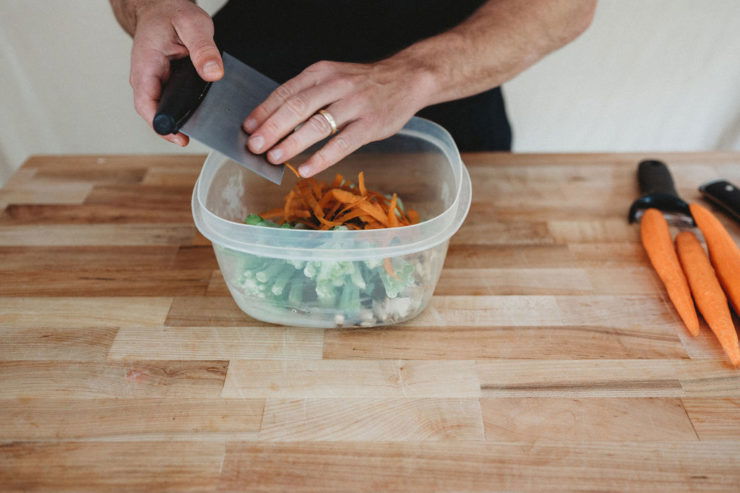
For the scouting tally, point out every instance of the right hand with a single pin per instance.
(167, 30)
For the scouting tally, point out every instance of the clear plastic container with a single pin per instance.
(338, 278)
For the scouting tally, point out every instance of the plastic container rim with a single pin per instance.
(451, 217)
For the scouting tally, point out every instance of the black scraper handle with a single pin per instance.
(654, 177)
(724, 194)
(181, 95)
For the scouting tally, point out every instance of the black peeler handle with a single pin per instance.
(181, 95)
(655, 178)
(725, 195)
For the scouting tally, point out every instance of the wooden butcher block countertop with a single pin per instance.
(549, 359)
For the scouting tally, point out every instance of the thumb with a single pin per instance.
(196, 33)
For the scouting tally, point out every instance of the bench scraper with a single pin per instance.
(212, 112)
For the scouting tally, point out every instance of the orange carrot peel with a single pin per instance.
(321, 205)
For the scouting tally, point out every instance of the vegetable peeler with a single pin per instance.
(659, 192)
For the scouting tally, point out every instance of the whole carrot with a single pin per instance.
(707, 292)
(656, 239)
(724, 253)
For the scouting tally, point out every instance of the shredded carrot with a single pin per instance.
(323, 205)
(656, 238)
(291, 168)
(723, 251)
(392, 219)
(707, 292)
(361, 183)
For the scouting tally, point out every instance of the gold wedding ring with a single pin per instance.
(330, 120)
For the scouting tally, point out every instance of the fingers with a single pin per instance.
(313, 130)
(344, 143)
(147, 70)
(311, 77)
(299, 109)
(195, 30)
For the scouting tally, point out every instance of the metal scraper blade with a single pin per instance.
(217, 122)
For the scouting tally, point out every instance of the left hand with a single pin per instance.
(368, 102)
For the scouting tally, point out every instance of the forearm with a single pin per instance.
(496, 43)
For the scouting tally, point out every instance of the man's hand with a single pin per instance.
(373, 101)
(368, 102)
(164, 30)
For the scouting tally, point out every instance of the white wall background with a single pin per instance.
(648, 75)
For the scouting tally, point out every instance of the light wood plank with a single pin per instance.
(209, 311)
(624, 280)
(608, 378)
(72, 258)
(643, 314)
(536, 419)
(351, 379)
(87, 163)
(482, 466)
(487, 311)
(715, 419)
(96, 234)
(481, 230)
(461, 256)
(580, 378)
(543, 327)
(181, 176)
(192, 343)
(611, 254)
(710, 378)
(130, 419)
(114, 379)
(95, 467)
(99, 175)
(86, 282)
(59, 312)
(56, 193)
(123, 213)
(385, 420)
(587, 231)
(513, 282)
(72, 344)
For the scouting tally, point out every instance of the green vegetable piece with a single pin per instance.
(271, 271)
(253, 220)
(356, 275)
(282, 280)
(295, 295)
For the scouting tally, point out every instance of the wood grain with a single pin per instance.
(351, 379)
(112, 282)
(550, 358)
(714, 418)
(535, 419)
(86, 312)
(95, 234)
(91, 380)
(197, 343)
(151, 419)
(482, 467)
(56, 344)
(381, 420)
(132, 466)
